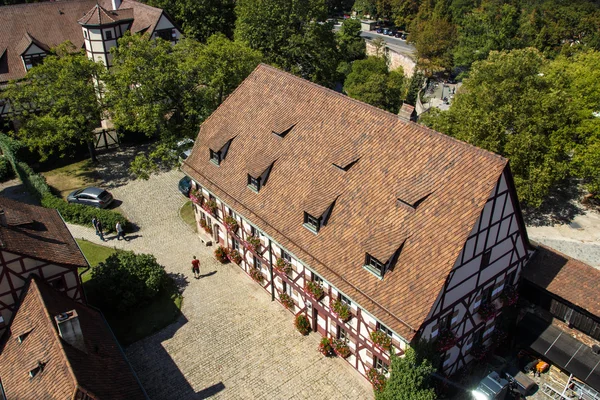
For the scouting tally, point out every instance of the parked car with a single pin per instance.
(391, 32)
(91, 196)
(398, 34)
(184, 149)
(379, 30)
(185, 184)
(404, 36)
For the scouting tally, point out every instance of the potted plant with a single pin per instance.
(341, 309)
(221, 254)
(302, 324)
(257, 275)
(287, 301)
(315, 290)
(231, 224)
(381, 340)
(325, 347)
(210, 207)
(253, 244)
(509, 296)
(487, 311)
(195, 196)
(446, 340)
(235, 256)
(377, 379)
(341, 348)
(283, 266)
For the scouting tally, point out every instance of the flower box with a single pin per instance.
(487, 311)
(221, 254)
(381, 340)
(325, 347)
(446, 341)
(257, 275)
(509, 296)
(302, 324)
(210, 207)
(235, 256)
(253, 244)
(206, 227)
(195, 196)
(287, 301)
(283, 266)
(377, 379)
(231, 224)
(315, 290)
(341, 309)
(341, 348)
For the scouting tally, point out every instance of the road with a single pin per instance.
(401, 46)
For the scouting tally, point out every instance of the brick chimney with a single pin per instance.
(116, 4)
(70, 330)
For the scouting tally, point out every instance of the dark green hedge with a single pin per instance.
(6, 171)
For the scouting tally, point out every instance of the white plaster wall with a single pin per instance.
(95, 34)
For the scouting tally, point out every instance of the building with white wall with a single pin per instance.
(418, 234)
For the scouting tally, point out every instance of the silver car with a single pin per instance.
(91, 196)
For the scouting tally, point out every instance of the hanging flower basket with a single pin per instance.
(302, 324)
(487, 311)
(341, 309)
(341, 348)
(287, 301)
(381, 340)
(283, 266)
(509, 296)
(325, 347)
(314, 290)
(231, 224)
(446, 340)
(257, 275)
(195, 196)
(377, 379)
(210, 207)
(221, 254)
(252, 244)
(235, 256)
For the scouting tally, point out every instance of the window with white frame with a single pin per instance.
(381, 365)
(375, 265)
(384, 329)
(286, 256)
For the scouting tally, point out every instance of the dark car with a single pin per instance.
(398, 34)
(391, 32)
(185, 184)
(91, 196)
(379, 30)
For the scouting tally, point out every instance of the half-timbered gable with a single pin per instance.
(35, 241)
(359, 211)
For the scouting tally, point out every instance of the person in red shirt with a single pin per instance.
(196, 268)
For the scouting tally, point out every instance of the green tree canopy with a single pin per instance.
(371, 82)
(410, 379)
(57, 103)
(352, 46)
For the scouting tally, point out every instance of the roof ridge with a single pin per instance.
(40, 3)
(385, 113)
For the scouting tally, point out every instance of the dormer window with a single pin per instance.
(312, 223)
(374, 265)
(215, 157)
(254, 183)
(31, 60)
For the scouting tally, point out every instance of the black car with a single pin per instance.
(398, 34)
(391, 32)
(379, 30)
(185, 184)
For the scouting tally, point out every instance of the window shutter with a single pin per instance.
(372, 325)
(434, 331)
(477, 302)
(369, 355)
(396, 343)
(454, 320)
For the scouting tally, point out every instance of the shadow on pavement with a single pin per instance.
(560, 207)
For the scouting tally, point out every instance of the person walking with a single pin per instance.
(95, 223)
(196, 267)
(99, 230)
(119, 229)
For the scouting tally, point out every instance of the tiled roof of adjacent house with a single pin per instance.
(102, 371)
(396, 160)
(54, 22)
(565, 277)
(39, 233)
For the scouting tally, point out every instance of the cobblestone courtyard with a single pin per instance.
(231, 341)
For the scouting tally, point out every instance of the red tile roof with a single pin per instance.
(39, 233)
(396, 158)
(103, 372)
(565, 277)
(54, 22)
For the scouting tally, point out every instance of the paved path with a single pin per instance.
(231, 341)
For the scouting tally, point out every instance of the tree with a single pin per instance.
(371, 82)
(200, 19)
(508, 106)
(365, 7)
(351, 44)
(58, 102)
(410, 379)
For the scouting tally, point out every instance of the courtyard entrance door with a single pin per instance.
(319, 323)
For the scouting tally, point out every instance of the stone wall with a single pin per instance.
(396, 60)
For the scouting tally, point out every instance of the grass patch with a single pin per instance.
(73, 176)
(144, 321)
(188, 216)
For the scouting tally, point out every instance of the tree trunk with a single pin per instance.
(92, 151)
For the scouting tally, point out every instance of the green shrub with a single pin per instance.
(127, 280)
(82, 215)
(6, 171)
(302, 324)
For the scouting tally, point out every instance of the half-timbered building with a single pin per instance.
(35, 241)
(378, 229)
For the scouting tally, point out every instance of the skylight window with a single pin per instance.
(215, 157)
(312, 223)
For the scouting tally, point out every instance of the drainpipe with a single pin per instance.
(271, 271)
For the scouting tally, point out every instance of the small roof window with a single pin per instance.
(254, 183)
(215, 156)
(312, 223)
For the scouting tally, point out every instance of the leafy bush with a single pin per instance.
(6, 171)
(325, 347)
(221, 254)
(128, 280)
(82, 215)
(302, 324)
